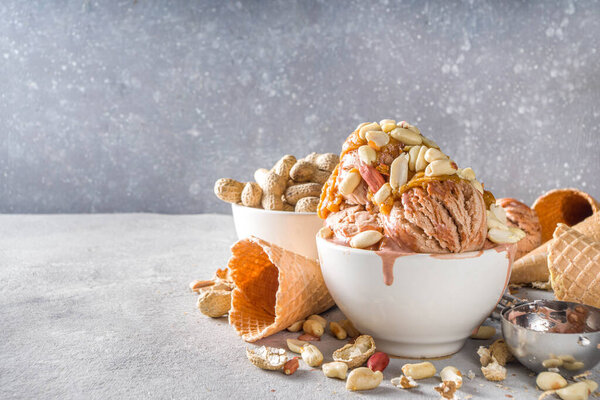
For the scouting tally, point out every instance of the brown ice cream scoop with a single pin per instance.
(521, 216)
(441, 217)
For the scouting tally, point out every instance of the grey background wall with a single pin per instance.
(140, 106)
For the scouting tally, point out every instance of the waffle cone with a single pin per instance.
(533, 266)
(274, 288)
(574, 264)
(565, 206)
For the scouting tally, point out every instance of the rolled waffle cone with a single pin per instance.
(565, 206)
(274, 288)
(533, 266)
(574, 263)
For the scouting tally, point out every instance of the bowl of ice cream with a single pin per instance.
(294, 231)
(414, 251)
(415, 305)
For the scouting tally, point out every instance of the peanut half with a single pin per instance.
(313, 327)
(296, 326)
(296, 345)
(319, 319)
(365, 239)
(335, 369)
(363, 379)
(419, 371)
(311, 355)
(337, 331)
(550, 381)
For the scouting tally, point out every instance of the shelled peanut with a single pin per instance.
(291, 185)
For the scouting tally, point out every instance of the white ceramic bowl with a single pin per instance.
(291, 230)
(433, 304)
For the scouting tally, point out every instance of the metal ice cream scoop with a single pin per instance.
(544, 334)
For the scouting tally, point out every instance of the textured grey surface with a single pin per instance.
(142, 105)
(97, 306)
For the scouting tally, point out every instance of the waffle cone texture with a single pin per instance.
(274, 288)
(574, 263)
(562, 206)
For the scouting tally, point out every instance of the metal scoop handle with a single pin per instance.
(507, 300)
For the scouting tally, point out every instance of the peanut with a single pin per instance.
(313, 327)
(349, 328)
(502, 236)
(363, 379)
(251, 195)
(421, 163)
(296, 326)
(302, 171)
(319, 319)
(575, 391)
(419, 371)
(349, 183)
(291, 366)
(296, 345)
(307, 204)
(477, 185)
(406, 136)
(288, 207)
(429, 143)
(229, 190)
(552, 363)
(500, 215)
(335, 369)
(311, 355)
(573, 366)
(373, 126)
(284, 165)
(378, 361)
(451, 374)
(399, 171)
(446, 389)
(550, 381)
(320, 176)
(274, 183)
(367, 154)
(406, 125)
(296, 192)
(311, 158)
(260, 175)
(592, 385)
(272, 202)
(326, 232)
(337, 331)
(214, 303)
(466, 173)
(379, 138)
(484, 332)
(327, 161)
(384, 192)
(307, 337)
(440, 167)
(413, 154)
(365, 239)
(432, 155)
(387, 125)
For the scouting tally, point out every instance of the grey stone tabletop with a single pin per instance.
(98, 306)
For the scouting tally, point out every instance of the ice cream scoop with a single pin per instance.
(413, 195)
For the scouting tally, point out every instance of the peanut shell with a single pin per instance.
(229, 190)
(252, 195)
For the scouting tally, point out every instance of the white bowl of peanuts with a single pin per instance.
(280, 206)
(415, 305)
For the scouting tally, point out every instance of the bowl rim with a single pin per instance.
(263, 211)
(468, 254)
